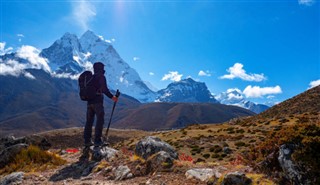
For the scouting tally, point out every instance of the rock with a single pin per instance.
(12, 179)
(160, 161)
(289, 167)
(152, 145)
(227, 150)
(122, 173)
(10, 146)
(202, 174)
(236, 178)
(104, 152)
(87, 170)
(7, 154)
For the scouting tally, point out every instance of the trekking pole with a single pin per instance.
(114, 105)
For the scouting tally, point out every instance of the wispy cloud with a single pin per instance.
(110, 41)
(314, 83)
(33, 61)
(258, 92)
(14, 68)
(82, 13)
(20, 36)
(135, 59)
(173, 76)
(237, 71)
(31, 54)
(3, 49)
(204, 73)
(306, 2)
(151, 73)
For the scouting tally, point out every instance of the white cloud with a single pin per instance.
(82, 13)
(20, 36)
(65, 75)
(106, 40)
(14, 68)
(314, 83)
(3, 49)
(306, 2)
(31, 54)
(237, 71)
(173, 76)
(33, 61)
(204, 73)
(270, 97)
(151, 73)
(136, 59)
(258, 92)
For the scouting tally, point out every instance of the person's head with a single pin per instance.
(98, 67)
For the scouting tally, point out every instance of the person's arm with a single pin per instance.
(104, 87)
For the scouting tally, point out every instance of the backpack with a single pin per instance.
(86, 86)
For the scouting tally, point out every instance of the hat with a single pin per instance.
(98, 66)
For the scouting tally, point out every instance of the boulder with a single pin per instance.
(7, 154)
(227, 150)
(152, 145)
(202, 174)
(98, 153)
(13, 178)
(122, 173)
(160, 161)
(290, 168)
(236, 178)
(10, 146)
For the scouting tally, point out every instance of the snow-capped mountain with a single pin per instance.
(186, 90)
(70, 55)
(235, 97)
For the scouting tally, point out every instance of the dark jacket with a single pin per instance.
(100, 83)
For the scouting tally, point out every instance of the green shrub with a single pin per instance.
(240, 143)
(215, 155)
(206, 156)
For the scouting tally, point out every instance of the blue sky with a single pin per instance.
(269, 50)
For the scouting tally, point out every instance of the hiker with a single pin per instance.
(95, 106)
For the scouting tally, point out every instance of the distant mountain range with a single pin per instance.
(186, 90)
(235, 97)
(39, 90)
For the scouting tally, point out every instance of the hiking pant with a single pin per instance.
(93, 110)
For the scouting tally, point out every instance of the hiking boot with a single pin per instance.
(85, 154)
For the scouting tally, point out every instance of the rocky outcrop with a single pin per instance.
(160, 161)
(236, 178)
(291, 170)
(122, 172)
(152, 145)
(104, 152)
(11, 146)
(13, 178)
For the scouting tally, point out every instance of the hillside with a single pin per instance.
(163, 116)
(247, 145)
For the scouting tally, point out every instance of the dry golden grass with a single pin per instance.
(33, 159)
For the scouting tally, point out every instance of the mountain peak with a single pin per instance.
(69, 35)
(186, 90)
(90, 36)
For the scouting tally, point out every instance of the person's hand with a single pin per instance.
(115, 99)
